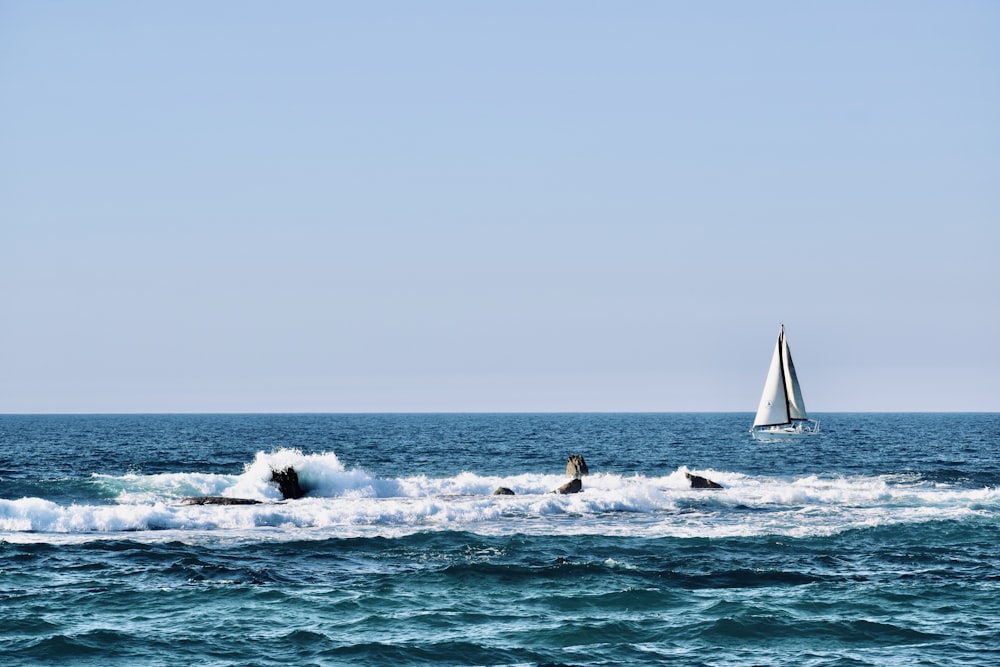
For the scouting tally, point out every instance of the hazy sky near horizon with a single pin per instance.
(510, 206)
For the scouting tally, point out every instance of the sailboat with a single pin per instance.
(781, 414)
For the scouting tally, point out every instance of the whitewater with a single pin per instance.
(353, 503)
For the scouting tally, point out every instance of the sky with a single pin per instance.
(513, 206)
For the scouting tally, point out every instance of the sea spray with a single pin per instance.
(661, 506)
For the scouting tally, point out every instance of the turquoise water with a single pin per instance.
(876, 543)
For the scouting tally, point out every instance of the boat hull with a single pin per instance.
(783, 432)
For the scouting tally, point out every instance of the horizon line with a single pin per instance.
(468, 412)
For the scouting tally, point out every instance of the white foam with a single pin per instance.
(349, 503)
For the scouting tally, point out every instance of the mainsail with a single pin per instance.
(781, 403)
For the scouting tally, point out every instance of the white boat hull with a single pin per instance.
(781, 432)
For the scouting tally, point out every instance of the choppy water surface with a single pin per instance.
(876, 543)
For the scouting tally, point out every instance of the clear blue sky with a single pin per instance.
(508, 206)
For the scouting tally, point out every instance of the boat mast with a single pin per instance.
(785, 379)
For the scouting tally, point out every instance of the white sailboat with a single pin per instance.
(781, 414)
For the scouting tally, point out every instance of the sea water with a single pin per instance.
(876, 542)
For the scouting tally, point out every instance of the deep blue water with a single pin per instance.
(875, 543)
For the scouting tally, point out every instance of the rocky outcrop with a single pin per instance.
(576, 467)
(572, 486)
(503, 491)
(286, 479)
(698, 482)
(219, 500)
(288, 483)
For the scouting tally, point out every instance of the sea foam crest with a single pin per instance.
(354, 502)
(320, 475)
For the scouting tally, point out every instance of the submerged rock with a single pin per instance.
(572, 486)
(219, 500)
(503, 491)
(288, 483)
(576, 467)
(698, 482)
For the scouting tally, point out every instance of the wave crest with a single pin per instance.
(352, 502)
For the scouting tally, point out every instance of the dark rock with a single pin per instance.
(698, 482)
(572, 486)
(288, 483)
(219, 500)
(576, 467)
(503, 491)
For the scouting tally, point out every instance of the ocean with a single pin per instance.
(876, 542)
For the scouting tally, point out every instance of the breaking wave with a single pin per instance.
(351, 502)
